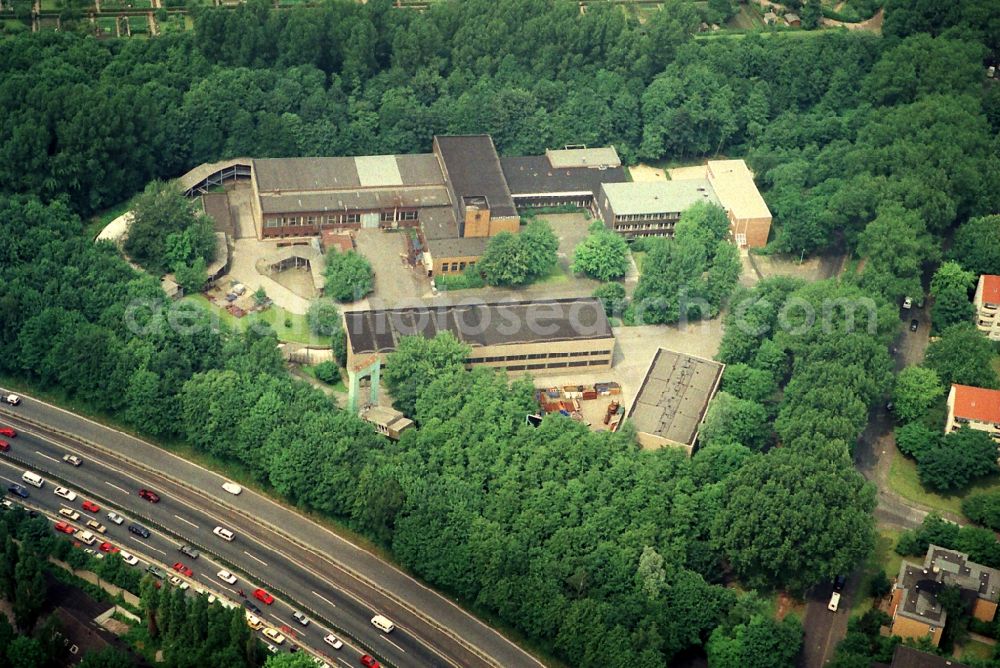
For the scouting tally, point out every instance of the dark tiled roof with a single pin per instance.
(472, 166)
(535, 174)
(481, 324)
(908, 657)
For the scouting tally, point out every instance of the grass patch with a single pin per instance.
(555, 275)
(884, 558)
(746, 19)
(903, 478)
(996, 364)
(310, 370)
(288, 326)
(974, 649)
(102, 219)
(639, 257)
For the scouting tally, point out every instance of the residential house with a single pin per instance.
(975, 407)
(987, 303)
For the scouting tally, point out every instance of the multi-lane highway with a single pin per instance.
(333, 581)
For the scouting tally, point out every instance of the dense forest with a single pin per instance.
(600, 554)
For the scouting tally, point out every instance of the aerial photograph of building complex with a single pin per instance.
(500, 333)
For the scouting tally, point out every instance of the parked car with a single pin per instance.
(254, 622)
(91, 507)
(86, 537)
(14, 488)
(64, 527)
(108, 547)
(129, 558)
(189, 550)
(263, 596)
(4, 445)
(834, 602)
(183, 570)
(177, 582)
(156, 572)
(7, 504)
(914, 324)
(8, 432)
(116, 518)
(67, 494)
(908, 303)
(70, 513)
(72, 459)
(12, 399)
(150, 496)
(271, 648)
(333, 641)
(248, 604)
(368, 662)
(839, 582)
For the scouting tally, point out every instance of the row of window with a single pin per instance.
(335, 219)
(540, 356)
(555, 365)
(455, 267)
(644, 226)
(672, 215)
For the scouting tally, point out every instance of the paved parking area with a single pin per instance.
(395, 282)
(634, 350)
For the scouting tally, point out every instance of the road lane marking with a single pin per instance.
(147, 546)
(186, 521)
(37, 452)
(349, 665)
(111, 484)
(318, 595)
(394, 644)
(260, 561)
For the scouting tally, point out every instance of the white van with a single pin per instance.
(382, 624)
(33, 479)
(86, 538)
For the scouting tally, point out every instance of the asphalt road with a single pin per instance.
(330, 579)
(162, 551)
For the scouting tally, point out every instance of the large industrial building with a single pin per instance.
(554, 335)
(463, 193)
(673, 399)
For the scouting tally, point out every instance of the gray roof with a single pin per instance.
(472, 167)
(354, 200)
(943, 567)
(657, 197)
(674, 396)
(909, 657)
(457, 247)
(332, 174)
(480, 324)
(605, 156)
(438, 222)
(216, 206)
(534, 174)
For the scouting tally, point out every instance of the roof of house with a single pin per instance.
(457, 247)
(991, 288)
(605, 156)
(909, 657)
(332, 239)
(657, 197)
(533, 174)
(674, 395)
(943, 567)
(977, 403)
(734, 186)
(356, 199)
(346, 173)
(480, 324)
(438, 222)
(792, 16)
(472, 168)
(388, 418)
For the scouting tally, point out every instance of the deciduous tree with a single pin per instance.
(916, 389)
(602, 255)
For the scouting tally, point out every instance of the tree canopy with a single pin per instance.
(518, 259)
(602, 255)
(349, 276)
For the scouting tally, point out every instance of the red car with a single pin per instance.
(152, 497)
(91, 507)
(368, 662)
(108, 547)
(263, 596)
(8, 432)
(183, 570)
(65, 528)
(4, 446)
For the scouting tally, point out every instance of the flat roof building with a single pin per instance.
(749, 217)
(673, 399)
(650, 208)
(387, 421)
(553, 335)
(569, 177)
(915, 609)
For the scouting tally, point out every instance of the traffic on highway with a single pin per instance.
(108, 508)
